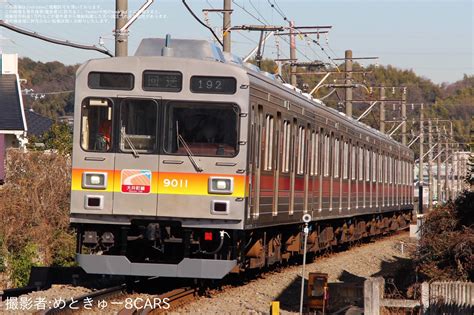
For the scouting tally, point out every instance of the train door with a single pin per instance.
(313, 171)
(299, 169)
(277, 165)
(93, 166)
(284, 177)
(326, 181)
(267, 182)
(255, 160)
(336, 185)
(137, 160)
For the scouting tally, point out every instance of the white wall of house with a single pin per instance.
(9, 63)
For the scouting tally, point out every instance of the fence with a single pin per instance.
(447, 298)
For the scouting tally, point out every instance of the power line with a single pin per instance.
(249, 13)
(277, 8)
(256, 10)
(26, 32)
(202, 23)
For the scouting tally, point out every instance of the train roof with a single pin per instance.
(207, 51)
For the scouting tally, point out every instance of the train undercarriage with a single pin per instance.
(164, 248)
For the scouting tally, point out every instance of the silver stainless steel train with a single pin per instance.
(189, 163)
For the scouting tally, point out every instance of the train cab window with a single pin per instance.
(286, 146)
(138, 122)
(202, 129)
(96, 125)
(268, 148)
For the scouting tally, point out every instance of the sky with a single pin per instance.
(433, 38)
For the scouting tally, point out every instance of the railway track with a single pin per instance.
(79, 302)
(154, 303)
(163, 302)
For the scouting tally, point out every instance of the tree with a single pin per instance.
(59, 137)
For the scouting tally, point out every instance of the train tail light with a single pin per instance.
(208, 236)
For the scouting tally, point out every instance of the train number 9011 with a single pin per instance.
(175, 183)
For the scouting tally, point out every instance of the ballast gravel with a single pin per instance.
(378, 258)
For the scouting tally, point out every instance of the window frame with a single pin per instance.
(156, 150)
(165, 110)
(112, 148)
(269, 128)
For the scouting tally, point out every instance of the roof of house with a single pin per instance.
(11, 107)
(37, 124)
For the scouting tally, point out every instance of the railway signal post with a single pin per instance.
(306, 220)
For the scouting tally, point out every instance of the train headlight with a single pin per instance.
(221, 185)
(93, 180)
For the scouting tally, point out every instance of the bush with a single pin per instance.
(34, 211)
(21, 263)
(445, 250)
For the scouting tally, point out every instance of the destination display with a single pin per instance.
(213, 85)
(110, 81)
(162, 81)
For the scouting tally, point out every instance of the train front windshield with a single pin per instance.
(206, 129)
(196, 128)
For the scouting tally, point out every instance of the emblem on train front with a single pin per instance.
(136, 181)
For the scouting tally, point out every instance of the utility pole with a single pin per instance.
(293, 53)
(420, 164)
(227, 25)
(446, 169)
(460, 177)
(451, 187)
(348, 82)
(438, 165)
(404, 116)
(382, 109)
(430, 176)
(121, 37)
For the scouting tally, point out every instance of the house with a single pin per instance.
(37, 124)
(13, 125)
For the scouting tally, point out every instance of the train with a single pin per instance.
(189, 163)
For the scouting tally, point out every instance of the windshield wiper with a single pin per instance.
(129, 142)
(189, 153)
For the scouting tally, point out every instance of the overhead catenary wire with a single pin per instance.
(249, 13)
(277, 8)
(68, 43)
(202, 23)
(258, 12)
